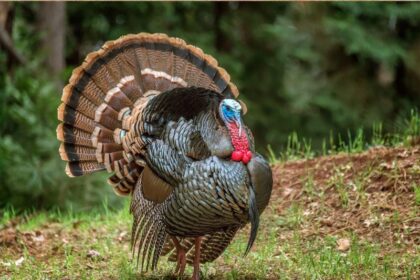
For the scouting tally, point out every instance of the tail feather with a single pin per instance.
(72, 135)
(102, 135)
(130, 88)
(69, 152)
(74, 118)
(117, 99)
(80, 168)
(82, 104)
(107, 117)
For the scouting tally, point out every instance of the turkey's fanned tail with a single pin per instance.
(108, 93)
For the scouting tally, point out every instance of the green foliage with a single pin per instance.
(31, 171)
(297, 148)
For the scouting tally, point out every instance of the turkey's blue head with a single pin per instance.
(230, 112)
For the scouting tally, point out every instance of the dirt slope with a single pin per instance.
(371, 194)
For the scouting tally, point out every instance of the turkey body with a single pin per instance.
(192, 155)
(162, 117)
(200, 207)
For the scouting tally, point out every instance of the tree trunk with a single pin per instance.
(4, 12)
(221, 42)
(6, 43)
(51, 23)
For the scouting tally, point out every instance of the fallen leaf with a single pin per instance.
(39, 238)
(93, 254)
(343, 244)
(122, 235)
(19, 261)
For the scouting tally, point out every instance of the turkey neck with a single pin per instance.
(240, 143)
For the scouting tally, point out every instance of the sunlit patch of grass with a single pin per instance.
(33, 221)
(298, 147)
(309, 186)
(6, 215)
(337, 181)
(280, 252)
(416, 194)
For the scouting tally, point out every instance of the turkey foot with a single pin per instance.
(196, 273)
(181, 257)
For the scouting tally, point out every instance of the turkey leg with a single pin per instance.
(196, 273)
(181, 258)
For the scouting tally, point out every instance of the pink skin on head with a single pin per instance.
(240, 143)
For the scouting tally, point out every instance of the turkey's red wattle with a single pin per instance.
(240, 143)
(237, 155)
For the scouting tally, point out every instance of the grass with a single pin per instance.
(417, 193)
(301, 148)
(281, 252)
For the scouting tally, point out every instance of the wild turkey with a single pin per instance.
(163, 118)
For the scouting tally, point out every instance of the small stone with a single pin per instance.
(93, 254)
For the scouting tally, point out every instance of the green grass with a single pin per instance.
(281, 252)
(417, 194)
(356, 142)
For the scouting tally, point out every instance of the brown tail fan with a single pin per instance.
(115, 83)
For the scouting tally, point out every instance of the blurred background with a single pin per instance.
(322, 70)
